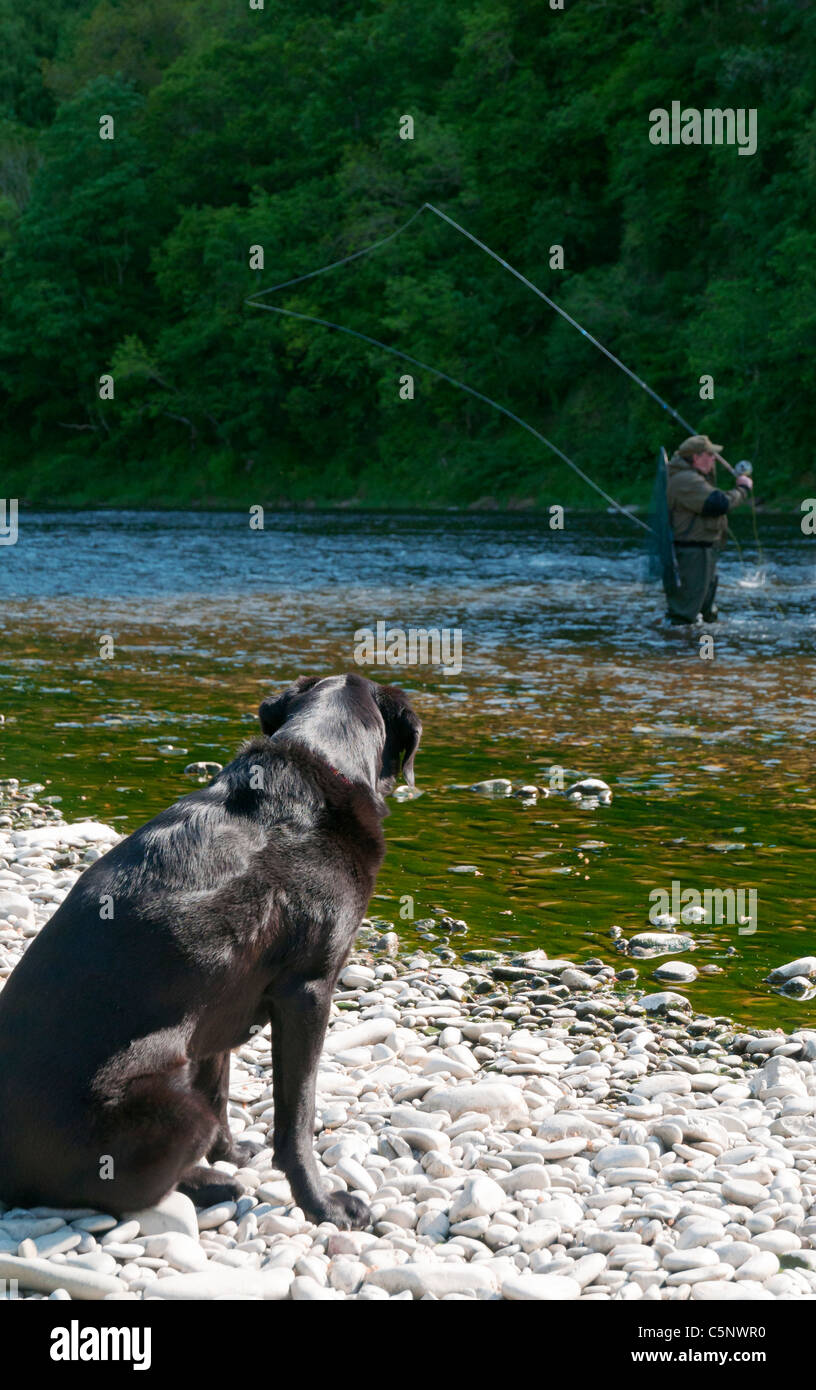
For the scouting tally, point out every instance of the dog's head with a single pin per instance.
(358, 726)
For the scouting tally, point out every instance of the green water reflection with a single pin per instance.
(713, 778)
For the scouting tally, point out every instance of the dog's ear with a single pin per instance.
(410, 727)
(274, 710)
(403, 730)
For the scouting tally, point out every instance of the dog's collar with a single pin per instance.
(339, 774)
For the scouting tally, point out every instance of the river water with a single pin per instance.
(565, 664)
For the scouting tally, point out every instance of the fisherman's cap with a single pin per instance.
(697, 444)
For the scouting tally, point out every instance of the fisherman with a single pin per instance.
(698, 513)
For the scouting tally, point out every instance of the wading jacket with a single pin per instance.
(698, 511)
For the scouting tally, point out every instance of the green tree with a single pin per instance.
(78, 264)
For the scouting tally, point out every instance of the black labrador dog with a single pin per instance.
(236, 906)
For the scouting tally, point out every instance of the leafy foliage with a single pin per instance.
(279, 128)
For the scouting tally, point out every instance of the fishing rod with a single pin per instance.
(575, 324)
(743, 468)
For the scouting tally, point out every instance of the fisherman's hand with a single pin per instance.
(745, 481)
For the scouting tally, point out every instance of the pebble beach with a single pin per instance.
(524, 1128)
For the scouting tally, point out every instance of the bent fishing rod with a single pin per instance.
(576, 324)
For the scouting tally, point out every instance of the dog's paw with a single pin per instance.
(245, 1150)
(345, 1210)
(208, 1186)
(240, 1154)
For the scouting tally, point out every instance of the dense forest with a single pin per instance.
(280, 127)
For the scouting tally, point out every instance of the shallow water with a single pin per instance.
(564, 664)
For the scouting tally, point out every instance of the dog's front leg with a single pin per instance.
(212, 1082)
(299, 1018)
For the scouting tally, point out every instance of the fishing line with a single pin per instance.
(396, 352)
(321, 270)
(383, 241)
(375, 246)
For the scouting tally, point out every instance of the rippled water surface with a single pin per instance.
(564, 664)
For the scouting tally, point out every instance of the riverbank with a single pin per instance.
(777, 499)
(523, 1127)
